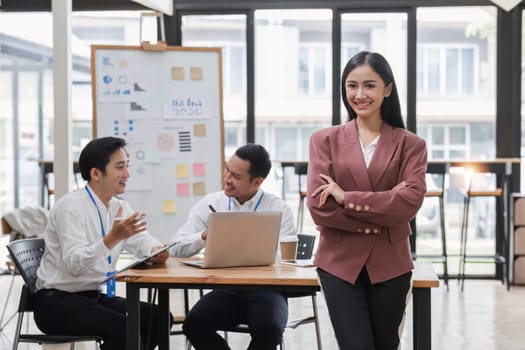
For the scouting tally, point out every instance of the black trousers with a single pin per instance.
(266, 313)
(366, 316)
(92, 313)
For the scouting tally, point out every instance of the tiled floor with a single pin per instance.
(484, 316)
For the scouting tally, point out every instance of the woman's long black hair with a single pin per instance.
(390, 109)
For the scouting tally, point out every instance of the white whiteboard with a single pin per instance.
(167, 105)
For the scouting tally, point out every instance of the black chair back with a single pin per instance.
(26, 254)
(305, 246)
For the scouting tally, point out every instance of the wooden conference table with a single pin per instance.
(175, 275)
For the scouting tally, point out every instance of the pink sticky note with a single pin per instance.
(199, 169)
(183, 190)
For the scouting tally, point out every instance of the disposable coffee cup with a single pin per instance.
(288, 249)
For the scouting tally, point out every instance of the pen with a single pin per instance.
(120, 218)
(212, 208)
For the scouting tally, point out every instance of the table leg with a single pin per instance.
(133, 323)
(283, 196)
(164, 321)
(421, 319)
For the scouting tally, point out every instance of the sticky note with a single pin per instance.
(177, 73)
(183, 190)
(196, 73)
(199, 169)
(199, 189)
(199, 130)
(182, 171)
(169, 207)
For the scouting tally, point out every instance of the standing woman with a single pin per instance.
(366, 181)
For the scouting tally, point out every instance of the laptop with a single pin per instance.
(240, 239)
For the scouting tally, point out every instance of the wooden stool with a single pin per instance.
(463, 257)
(440, 169)
(440, 194)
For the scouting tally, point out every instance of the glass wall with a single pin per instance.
(229, 33)
(456, 114)
(455, 87)
(26, 92)
(293, 85)
(382, 32)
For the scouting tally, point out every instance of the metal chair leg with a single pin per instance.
(317, 325)
(463, 245)
(6, 302)
(300, 214)
(443, 240)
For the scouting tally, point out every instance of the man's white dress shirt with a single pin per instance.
(189, 234)
(75, 258)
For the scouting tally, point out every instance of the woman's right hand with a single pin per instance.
(331, 188)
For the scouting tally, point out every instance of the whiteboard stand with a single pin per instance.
(160, 45)
(166, 102)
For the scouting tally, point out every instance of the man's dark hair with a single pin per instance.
(97, 153)
(260, 163)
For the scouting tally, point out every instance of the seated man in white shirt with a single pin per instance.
(83, 242)
(266, 313)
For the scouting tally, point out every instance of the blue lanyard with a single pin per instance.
(256, 204)
(99, 217)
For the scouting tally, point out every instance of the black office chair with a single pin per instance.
(26, 255)
(305, 246)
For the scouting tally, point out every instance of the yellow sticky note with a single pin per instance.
(196, 73)
(199, 130)
(169, 207)
(182, 171)
(177, 73)
(199, 189)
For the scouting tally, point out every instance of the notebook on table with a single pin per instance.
(240, 239)
(140, 262)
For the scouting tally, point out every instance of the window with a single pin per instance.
(26, 91)
(456, 81)
(446, 70)
(229, 33)
(235, 65)
(348, 50)
(314, 69)
(445, 141)
(377, 31)
(293, 56)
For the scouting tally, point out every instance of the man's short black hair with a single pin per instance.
(260, 163)
(97, 153)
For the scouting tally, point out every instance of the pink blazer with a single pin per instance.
(372, 228)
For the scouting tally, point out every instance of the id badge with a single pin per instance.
(110, 286)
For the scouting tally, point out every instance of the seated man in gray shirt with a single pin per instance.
(86, 232)
(266, 313)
